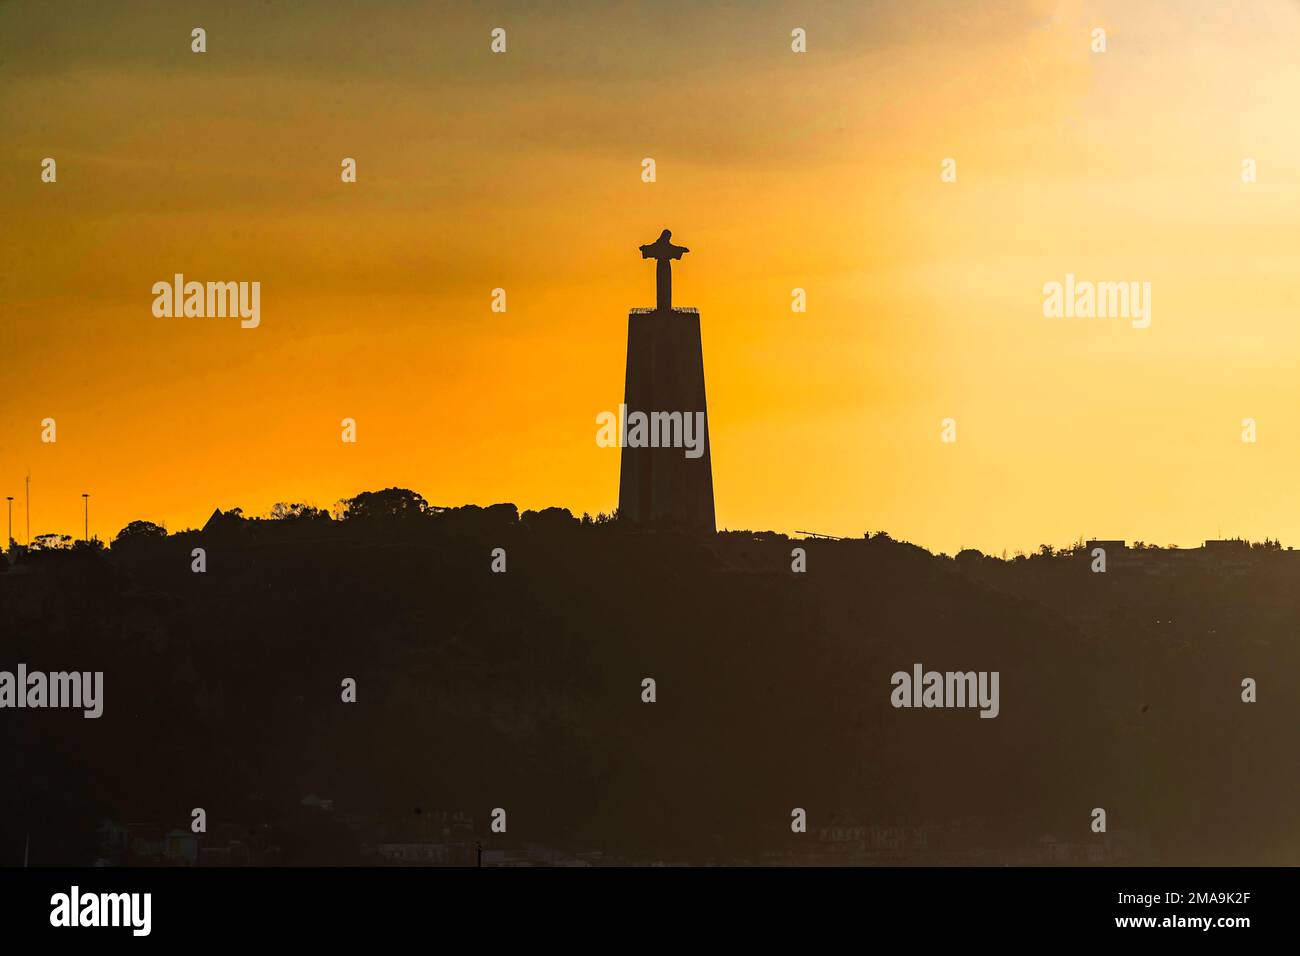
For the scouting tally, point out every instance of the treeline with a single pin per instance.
(500, 660)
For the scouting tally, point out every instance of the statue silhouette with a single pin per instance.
(659, 485)
(664, 251)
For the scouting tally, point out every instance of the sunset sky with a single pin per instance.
(778, 170)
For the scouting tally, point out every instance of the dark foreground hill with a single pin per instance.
(523, 690)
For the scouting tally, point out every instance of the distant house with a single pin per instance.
(229, 844)
(843, 834)
(180, 848)
(234, 854)
(416, 854)
(114, 841)
(1227, 546)
(1121, 847)
(151, 843)
(144, 843)
(223, 520)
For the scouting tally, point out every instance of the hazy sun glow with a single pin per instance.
(522, 171)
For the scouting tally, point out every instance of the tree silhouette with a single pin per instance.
(282, 511)
(138, 530)
(388, 503)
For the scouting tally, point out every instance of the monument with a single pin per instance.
(661, 483)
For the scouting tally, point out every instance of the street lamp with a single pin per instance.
(10, 499)
(87, 498)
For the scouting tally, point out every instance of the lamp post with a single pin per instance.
(10, 499)
(87, 500)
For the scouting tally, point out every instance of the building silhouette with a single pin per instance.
(660, 484)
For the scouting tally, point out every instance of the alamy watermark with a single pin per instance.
(922, 688)
(209, 300)
(652, 430)
(1083, 299)
(75, 909)
(36, 690)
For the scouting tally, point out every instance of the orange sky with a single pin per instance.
(778, 170)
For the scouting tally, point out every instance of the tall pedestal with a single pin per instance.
(662, 487)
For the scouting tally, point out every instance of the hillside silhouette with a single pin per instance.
(522, 690)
